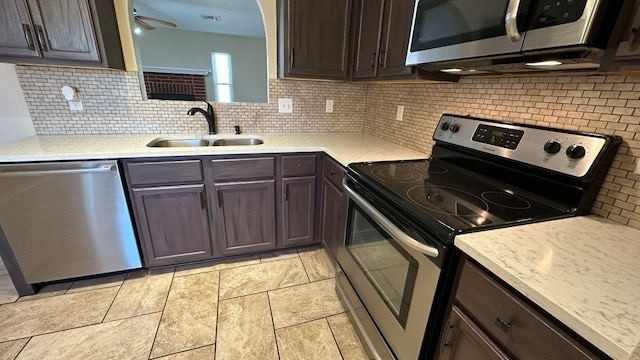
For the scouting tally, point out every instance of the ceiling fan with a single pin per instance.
(141, 21)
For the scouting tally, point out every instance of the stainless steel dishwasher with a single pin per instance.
(66, 219)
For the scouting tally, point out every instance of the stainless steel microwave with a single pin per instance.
(445, 30)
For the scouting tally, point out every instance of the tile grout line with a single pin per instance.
(304, 268)
(334, 334)
(310, 320)
(280, 288)
(163, 308)
(273, 325)
(215, 340)
(112, 301)
(23, 347)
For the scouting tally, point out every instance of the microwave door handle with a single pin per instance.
(388, 226)
(511, 21)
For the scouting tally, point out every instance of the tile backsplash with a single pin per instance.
(602, 104)
(113, 105)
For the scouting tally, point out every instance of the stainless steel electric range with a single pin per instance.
(397, 262)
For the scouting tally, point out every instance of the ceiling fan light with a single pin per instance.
(137, 30)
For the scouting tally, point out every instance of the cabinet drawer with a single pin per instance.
(298, 165)
(162, 172)
(333, 171)
(519, 329)
(243, 169)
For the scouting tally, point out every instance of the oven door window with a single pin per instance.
(389, 268)
(443, 23)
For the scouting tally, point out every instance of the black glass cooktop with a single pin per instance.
(437, 192)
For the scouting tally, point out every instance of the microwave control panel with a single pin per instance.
(498, 136)
(556, 12)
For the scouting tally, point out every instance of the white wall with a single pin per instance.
(15, 120)
(192, 50)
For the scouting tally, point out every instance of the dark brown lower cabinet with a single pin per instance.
(331, 217)
(464, 340)
(173, 223)
(298, 205)
(488, 320)
(244, 215)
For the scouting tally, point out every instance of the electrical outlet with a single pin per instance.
(329, 106)
(76, 106)
(285, 105)
(400, 113)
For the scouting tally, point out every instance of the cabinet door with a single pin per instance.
(623, 49)
(368, 30)
(298, 210)
(396, 30)
(64, 29)
(17, 36)
(245, 217)
(332, 228)
(464, 340)
(314, 38)
(173, 223)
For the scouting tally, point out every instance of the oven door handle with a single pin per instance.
(388, 226)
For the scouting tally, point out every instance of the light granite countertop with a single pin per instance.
(585, 271)
(344, 147)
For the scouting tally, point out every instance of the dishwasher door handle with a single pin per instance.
(387, 225)
(98, 169)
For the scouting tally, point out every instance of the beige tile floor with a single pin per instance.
(276, 306)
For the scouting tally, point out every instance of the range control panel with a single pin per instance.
(567, 152)
(498, 136)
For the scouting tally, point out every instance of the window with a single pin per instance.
(222, 77)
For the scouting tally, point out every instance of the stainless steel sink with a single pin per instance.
(162, 142)
(216, 140)
(233, 141)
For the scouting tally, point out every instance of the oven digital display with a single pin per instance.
(494, 135)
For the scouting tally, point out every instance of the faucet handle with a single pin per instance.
(236, 129)
(209, 107)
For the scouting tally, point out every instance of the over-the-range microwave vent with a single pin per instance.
(550, 60)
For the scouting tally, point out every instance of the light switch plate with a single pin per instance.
(285, 105)
(329, 106)
(637, 169)
(400, 113)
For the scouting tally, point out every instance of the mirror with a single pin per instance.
(217, 50)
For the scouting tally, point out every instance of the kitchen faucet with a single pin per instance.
(208, 114)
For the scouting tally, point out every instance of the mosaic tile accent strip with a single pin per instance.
(597, 103)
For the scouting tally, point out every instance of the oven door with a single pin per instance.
(393, 274)
(461, 29)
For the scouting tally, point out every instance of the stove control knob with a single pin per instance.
(454, 128)
(552, 147)
(576, 151)
(444, 126)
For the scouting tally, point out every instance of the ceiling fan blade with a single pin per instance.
(163, 22)
(143, 24)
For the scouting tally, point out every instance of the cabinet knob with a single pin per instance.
(502, 325)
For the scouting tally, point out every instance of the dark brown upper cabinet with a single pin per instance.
(381, 40)
(623, 50)
(60, 32)
(314, 38)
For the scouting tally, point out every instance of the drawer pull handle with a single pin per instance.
(219, 198)
(502, 325)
